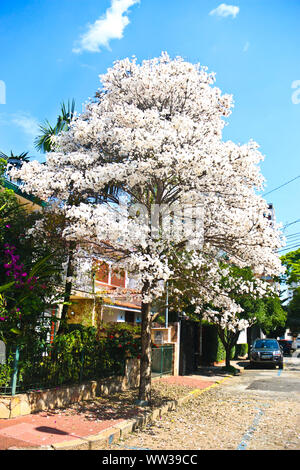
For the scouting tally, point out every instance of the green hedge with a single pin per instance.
(82, 353)
(212, 347)
(241, 350)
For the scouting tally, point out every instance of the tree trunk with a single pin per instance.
(228, 342)
(145, 369)
(227, 359)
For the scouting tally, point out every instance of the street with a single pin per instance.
(256, 410)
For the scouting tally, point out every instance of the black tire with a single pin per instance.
(281, 365)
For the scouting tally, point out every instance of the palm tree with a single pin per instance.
(43, 142)
(15, 160)
(12, 160)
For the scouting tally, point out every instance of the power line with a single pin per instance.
(281, 186)
(296, 242)
(292, 239)
(290, 247)
(291, 223)
(292, 235)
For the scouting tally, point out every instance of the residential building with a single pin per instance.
(105, 296)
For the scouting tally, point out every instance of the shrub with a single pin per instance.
(80, 354)
(122, 340)
(241, 350)
(6, 371)
(212, 348)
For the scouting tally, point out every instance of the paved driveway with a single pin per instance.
(257, 410)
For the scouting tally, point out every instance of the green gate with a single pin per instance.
(162, 360)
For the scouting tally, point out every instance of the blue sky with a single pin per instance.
(49, 53)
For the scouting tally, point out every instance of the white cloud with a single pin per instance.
(225, 10)
(27, 123)
(22, 128)
(110, 26)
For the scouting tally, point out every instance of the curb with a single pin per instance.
(121, 430)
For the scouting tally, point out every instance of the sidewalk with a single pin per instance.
(97, 423)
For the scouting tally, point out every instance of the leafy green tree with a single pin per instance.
(292, 262)
(292, 279)
(293, 313)
(272, 317)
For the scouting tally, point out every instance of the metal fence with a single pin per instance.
(162, 360)
(47, 368)
(24, 372)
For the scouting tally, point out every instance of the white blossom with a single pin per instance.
(155, 131)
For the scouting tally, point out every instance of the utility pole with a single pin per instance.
(167, 306)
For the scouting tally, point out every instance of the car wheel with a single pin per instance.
(281, 365)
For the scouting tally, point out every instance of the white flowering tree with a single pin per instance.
(220, 293)
(236, 289)
(154, 130)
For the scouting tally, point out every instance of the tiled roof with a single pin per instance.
(127, 304)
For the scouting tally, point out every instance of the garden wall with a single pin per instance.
(31, 402)
(161, 335)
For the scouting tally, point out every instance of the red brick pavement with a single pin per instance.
(189, 381)
(44, 429)
(52, 427)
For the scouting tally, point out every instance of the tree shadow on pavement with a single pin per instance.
(51, 430)
(220, 370)
(120, 405)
